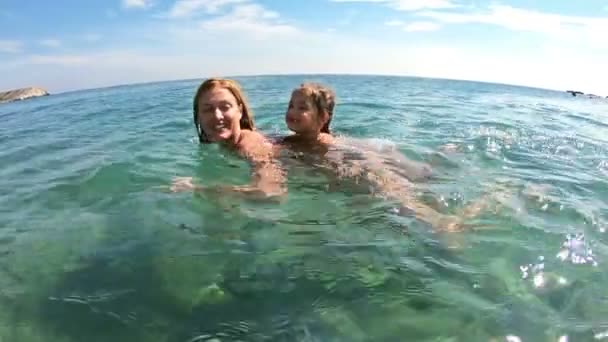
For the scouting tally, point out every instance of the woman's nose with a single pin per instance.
(218, 113)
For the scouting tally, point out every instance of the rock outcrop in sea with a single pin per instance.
(575, 92)
(22, 94)
(580, 93)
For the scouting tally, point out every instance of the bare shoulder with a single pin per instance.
(326, 139)
(255, 144)
(253, 137)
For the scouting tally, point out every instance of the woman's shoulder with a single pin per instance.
(254, 142)
(249, 137)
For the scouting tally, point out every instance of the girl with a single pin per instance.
(309, 116)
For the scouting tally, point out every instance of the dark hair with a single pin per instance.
(234, 88)
(323, 97)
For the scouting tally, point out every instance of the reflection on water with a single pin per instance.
(93, 249)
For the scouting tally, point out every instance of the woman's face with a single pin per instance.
(219, 115)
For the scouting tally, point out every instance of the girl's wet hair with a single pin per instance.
(324, 98)
(246, 121)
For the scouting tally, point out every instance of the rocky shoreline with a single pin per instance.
(22, 94)
(577, 93)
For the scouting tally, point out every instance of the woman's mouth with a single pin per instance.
(219, 126)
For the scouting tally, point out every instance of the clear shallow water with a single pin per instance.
(92, 248)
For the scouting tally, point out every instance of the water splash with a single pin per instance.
(603, 167)
(577, 250)
(601, 336)
(533, 269)
(540, 278)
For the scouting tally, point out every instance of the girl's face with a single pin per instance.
(302, 116)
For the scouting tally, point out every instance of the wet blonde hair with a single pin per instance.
(234, 88)
(324, 99)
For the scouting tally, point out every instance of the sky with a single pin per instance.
(65, 45)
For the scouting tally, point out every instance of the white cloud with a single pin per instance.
(10, 46)
(413, 5)
(36, 60)
(51, 43)
(416, 26)
(187, 8)
(252, 19)
(560, 26)
(580, 29)
(66, 60)
(135, 3)
(422, 26)
(410, 5)
(395, 23)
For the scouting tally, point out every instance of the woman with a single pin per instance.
(222, 115)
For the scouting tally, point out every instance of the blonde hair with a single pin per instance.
(324, 98)
(246, 121)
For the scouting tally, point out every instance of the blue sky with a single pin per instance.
(72, 44)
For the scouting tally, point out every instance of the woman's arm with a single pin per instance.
(268, 178)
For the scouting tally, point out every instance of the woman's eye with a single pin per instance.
(224, 107)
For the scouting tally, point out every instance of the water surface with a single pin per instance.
(93, 249)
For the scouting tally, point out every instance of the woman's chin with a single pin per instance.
(219, 136)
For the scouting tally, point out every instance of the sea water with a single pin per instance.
(94, 248)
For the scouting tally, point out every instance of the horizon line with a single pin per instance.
(139, 83)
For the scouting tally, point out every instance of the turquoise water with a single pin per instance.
(93, 247)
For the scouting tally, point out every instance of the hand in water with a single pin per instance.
(450, 224)
(182, 184)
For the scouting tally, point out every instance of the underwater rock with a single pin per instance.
(22, 94)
